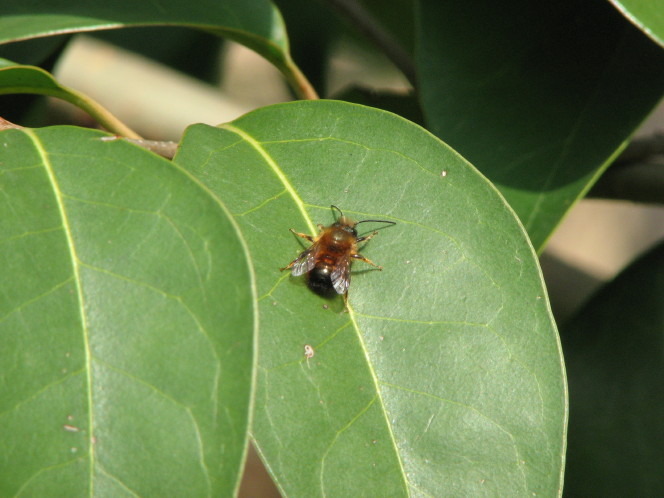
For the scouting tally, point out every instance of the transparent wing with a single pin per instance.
(304, 263)
(341, 276)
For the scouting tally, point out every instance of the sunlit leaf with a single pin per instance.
(445, 375)
(126, 323)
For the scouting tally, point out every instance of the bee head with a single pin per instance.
(349, 225)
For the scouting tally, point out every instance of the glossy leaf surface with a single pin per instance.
(126, 323)
(538, 95)
(256, 24)
(613, 350)
(29, 19)
(445, 376)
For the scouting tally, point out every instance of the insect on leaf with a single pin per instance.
(445, 375)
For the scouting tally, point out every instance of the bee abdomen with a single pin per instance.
(320, 282)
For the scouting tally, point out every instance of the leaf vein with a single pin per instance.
(58, 194)
(356, 144)
(336, 438)
(42, 470)
(262, 204)
(199, 326)
(118, 481)
(21, 306)
(517, 460)
(301, 207)
(40, 391)
(30, 234)
(275, 168)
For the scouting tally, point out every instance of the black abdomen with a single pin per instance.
(320, 282)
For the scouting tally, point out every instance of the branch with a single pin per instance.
(369, 26)
(638, 182)
(637, 174)
(640, 149)
(8, 125)
(165, 149)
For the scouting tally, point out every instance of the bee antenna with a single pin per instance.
(377, 221)
(340, 211)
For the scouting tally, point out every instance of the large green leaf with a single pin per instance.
(614, 350)
(126, 323)
(538, 95)
(648, 15)
(256, 19)
(445, 376)
(256, 24)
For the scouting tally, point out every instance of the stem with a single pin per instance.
(102, 115)
(369, 26)
(298, 82)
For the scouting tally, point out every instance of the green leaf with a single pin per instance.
(126, 323)
(256, 24)
(38, 51)
(540, 96)
(445, 376)
(648, 15)
(256, 19)
(613, 351)
(30, 79)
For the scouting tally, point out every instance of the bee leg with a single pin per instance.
(366, 237)
(346, 302)
(290, 265)
(303, 235)
(321, 227)
(362, 258)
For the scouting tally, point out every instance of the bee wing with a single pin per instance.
(305, 262)
(341, 276)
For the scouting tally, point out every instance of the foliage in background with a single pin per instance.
(614, 359)
(134, 286)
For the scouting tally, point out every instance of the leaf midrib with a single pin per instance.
(48, 167)
(351, 314)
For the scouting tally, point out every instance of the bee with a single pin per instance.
(327, 261)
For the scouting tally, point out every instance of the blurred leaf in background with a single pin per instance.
(539, 96)
(613, 352)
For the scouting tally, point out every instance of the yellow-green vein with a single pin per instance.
(301, 207)
(276, 169)
(79, 292)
